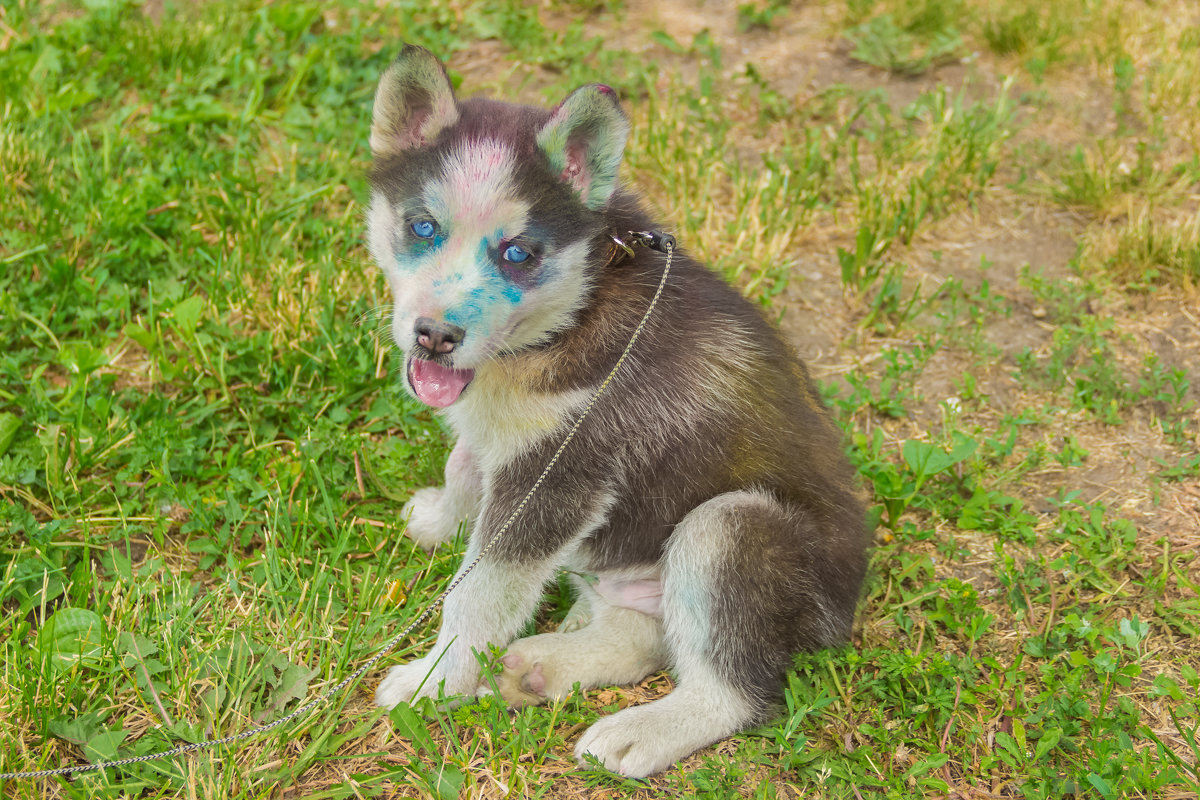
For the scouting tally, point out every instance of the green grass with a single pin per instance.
(204, 448)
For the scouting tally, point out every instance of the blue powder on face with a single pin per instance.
(417, 249)
(480, 300)
(478, 303)
(449, 281)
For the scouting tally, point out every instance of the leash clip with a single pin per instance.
(655, 240)
(621, 243)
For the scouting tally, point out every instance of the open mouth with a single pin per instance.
(436, 385)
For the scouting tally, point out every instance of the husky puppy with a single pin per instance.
(705, 510)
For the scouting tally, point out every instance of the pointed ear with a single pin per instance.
(584, 141)
(414, 102)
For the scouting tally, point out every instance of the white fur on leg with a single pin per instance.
(620, 647)
(431, 520)
(646, 739)
(704, 707)
(489, 607)
(577, 618)
(403, 682)
(434, 515)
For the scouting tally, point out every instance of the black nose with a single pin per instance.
(437, 337)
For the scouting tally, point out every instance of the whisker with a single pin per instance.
(377, 313)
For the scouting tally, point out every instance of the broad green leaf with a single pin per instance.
(663, 38)
(449, 782)
(1049, 738)
(1019, 735)
(187, 314)
(410, 725)
(292, 685)
(9, 425)
(1102, 786)
(103, 746)
(82, 358)
(926, 459)
(72, 636)
(135, 646)
(926, 764)
(78, 730)
(1009, 744)
(1165, 686)
(142, 336)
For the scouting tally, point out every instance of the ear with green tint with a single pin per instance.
(413, 104)
(584, 140)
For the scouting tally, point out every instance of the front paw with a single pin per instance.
(402, 684)
(405, 683)
(431, 520)
(410, 682)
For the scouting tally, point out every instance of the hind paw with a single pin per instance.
(522, 682)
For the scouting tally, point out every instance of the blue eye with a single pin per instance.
(424, 228)
(515, 254)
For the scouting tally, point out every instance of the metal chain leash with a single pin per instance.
(662, 242)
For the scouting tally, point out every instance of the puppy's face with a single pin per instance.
(483, 217)
(472, 269)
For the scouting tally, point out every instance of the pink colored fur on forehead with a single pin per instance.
(476, 186)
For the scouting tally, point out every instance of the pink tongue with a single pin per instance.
(436, 385)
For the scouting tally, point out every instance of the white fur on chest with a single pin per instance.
(498, 421)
